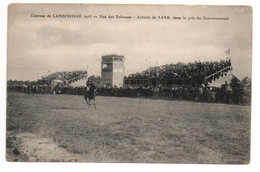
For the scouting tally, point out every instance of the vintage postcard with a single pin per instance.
(129, 83)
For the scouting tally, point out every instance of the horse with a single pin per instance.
(90, 94)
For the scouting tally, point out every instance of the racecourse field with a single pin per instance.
(125, 130)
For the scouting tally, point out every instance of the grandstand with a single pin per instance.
(58, 80)
(213, 74)
(66, 76)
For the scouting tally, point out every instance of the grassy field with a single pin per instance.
(135, 130)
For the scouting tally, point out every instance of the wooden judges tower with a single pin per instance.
(112, 70)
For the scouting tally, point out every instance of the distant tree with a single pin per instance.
(241, 90)
(247, 90)
(235, 83)
(237, 90)
(247, 83)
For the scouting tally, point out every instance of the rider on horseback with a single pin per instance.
(90, 92)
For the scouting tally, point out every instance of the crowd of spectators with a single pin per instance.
(191, 73)
(240, 92)
(66, 76)
(196, 94)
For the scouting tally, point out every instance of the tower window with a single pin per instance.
(107, 67)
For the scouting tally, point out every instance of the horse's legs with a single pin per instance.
(88, 102)
(95, 103)
(86, 98)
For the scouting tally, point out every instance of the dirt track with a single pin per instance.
(30, 147)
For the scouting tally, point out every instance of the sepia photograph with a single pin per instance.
(129, 83)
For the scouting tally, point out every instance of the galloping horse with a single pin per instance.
(90, 93)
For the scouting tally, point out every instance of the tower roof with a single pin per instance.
(112, 55)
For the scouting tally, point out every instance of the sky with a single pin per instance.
(40, 46)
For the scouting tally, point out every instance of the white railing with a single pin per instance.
(220, 71)
(81, 76)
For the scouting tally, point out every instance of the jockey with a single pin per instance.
(90, 92)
